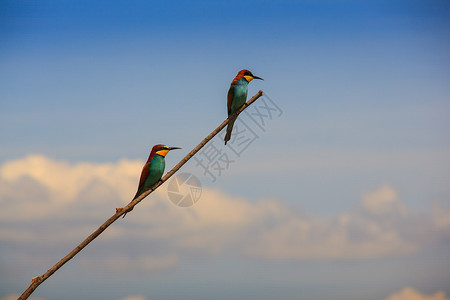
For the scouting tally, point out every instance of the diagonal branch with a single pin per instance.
(36, 281)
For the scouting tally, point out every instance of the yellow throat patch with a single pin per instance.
(162, 152)
(248, 78)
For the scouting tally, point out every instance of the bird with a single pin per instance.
(152, 171)
(237, 95)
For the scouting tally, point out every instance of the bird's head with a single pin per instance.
(247, 75)
(162, 149)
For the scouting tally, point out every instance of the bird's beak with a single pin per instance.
(256, 77)
(173, 148)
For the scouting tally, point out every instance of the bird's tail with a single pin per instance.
(229, 130)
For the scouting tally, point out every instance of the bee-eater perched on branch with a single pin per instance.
(152, 170)
(237, 95)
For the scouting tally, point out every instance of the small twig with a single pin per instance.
(36, 281)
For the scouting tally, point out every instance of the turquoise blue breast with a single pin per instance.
(240, 94)
(156, 170)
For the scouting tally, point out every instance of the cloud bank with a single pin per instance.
(409, 293)
(49, 204)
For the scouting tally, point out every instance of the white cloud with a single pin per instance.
(442, 219)
(11, 297)
(33, 216)
(412, 294)
(64, 181)
(383, 201)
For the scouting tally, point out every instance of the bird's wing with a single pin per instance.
(144, 174)
(230, 97)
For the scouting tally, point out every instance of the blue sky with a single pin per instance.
(363, 86)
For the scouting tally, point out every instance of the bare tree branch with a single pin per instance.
(36, 281)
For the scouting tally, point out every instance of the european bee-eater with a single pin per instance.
(153, 169)
(237, 95)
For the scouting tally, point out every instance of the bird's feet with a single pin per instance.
(120, 208)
